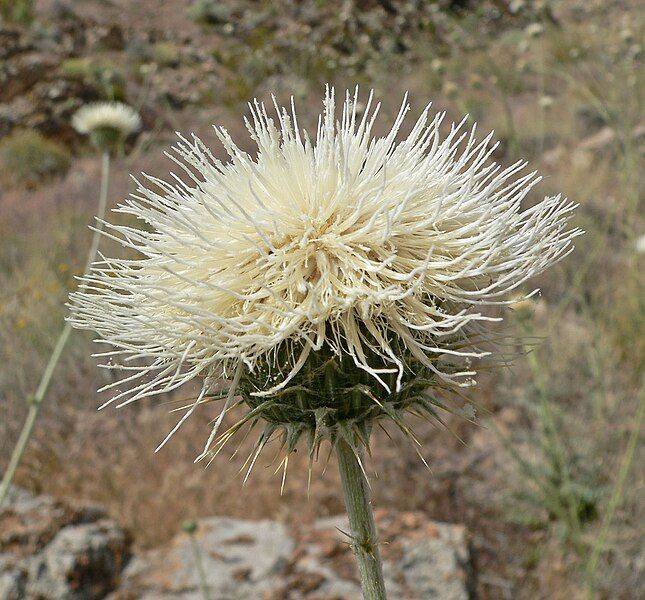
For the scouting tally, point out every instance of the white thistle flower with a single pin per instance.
(106, 115)
(345, 245)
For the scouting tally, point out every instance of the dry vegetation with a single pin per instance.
(549, 482)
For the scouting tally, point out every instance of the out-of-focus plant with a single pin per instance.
(562, 482)
(107, 125)
(190, 528)
(27, 158)
(17, 11)
(106, 77)
(617, 495)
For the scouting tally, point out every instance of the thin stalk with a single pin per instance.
(361, 522)
(35, 402)
(201, 574)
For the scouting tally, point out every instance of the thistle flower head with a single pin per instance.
(329, 277)
(106, 123)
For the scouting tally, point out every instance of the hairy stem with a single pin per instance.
(36, 401)
(361, 522)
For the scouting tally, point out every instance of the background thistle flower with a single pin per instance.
(327, 278)
(107, 124)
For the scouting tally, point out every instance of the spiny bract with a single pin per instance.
(349, 253)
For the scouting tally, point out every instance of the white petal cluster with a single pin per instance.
(106, 115)
(355, 241)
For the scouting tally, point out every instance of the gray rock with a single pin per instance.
(19, 75)
(244, 560)
(240, 560)
(422, 560)
(107, 37)
(11, 42)
(13, 578)
(437, 567)
(52, 551)
(82, 561)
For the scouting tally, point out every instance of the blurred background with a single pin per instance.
(549, 483)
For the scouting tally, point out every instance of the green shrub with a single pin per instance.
(82, 69)
(17, 11)
(107, 78)
(27, 158)
(166, 54)
(209, 12)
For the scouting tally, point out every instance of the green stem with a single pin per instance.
(361, 522)
(201, 574)
(37, 399)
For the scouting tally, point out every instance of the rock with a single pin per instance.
(240, 558)
(436, 567)
(48, 107)
(12, 114)
(34, 92)
(28, 523)
(82, 561)
(13, 578)
(11, 42)
(20, 74)
(107, 38)
(50, 550)
(423, 560)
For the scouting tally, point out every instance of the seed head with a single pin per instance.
(329, 278)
